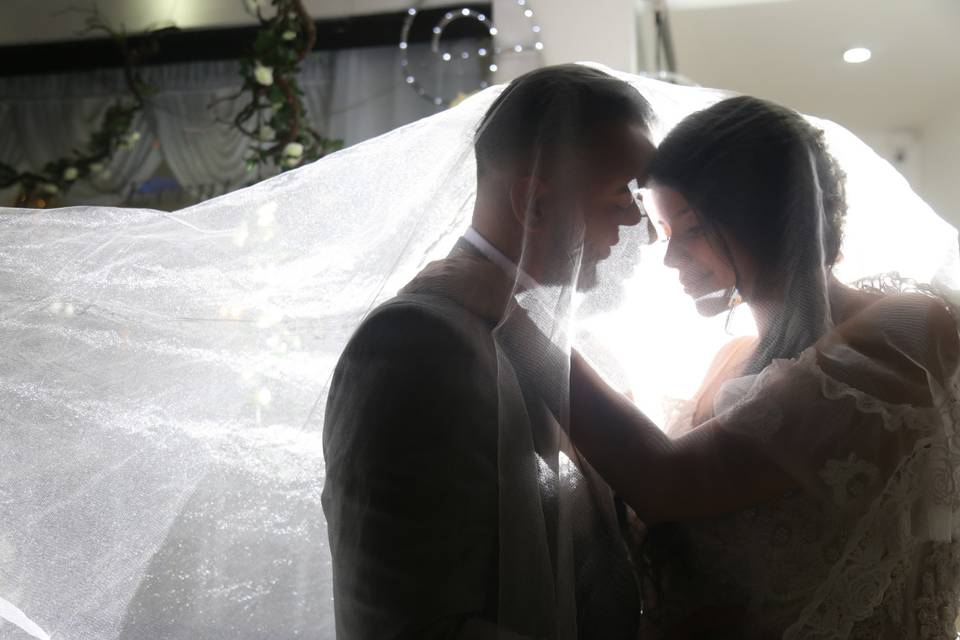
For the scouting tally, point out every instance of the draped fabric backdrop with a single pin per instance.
(351, 94)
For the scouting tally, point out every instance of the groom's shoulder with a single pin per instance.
(422, 324)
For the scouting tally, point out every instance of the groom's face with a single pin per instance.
(619, 154)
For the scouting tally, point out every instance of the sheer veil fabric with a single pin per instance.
(164, 379)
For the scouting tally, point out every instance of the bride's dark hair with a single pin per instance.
(761, 173)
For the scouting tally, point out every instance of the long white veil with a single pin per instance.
(163, 375)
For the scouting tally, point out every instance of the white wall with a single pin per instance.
(601, 31)
(940, 162)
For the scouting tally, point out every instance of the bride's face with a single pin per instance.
(700, 260)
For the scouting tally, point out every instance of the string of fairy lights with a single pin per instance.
(446, 55)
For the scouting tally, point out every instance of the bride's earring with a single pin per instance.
(733, 301)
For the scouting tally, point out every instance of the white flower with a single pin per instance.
(267, 133)
(252, 5)
(293, 150)
(49, 187)
(291, 162)
(263, 74)
(96, 167)
(70, 174)
(289, 35)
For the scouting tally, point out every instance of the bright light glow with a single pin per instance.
(528, 13)
(856, 55)
(493, 67)
(267, 214)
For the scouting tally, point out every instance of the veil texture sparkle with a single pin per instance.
(164, 378)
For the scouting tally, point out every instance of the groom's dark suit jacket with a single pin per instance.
(411, 488)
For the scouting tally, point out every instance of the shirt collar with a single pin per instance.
(497, 257)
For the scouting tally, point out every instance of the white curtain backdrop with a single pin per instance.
(352, 94)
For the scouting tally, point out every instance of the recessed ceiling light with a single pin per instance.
(856, 55)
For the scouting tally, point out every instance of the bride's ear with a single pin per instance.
(528, 201)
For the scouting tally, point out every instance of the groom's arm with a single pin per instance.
(411, 486)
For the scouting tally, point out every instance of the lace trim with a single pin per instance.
(874, 564)
(894, 415)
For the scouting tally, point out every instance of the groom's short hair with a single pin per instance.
(552, 108)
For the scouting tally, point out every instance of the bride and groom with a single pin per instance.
(483, 481)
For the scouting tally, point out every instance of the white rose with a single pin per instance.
(96, 167)
(267, 133)
(49, 187)
(70, 174)
(289, 35)
(293, 150)
(263, 75)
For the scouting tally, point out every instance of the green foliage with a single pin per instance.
(37, 188)
(274, 115)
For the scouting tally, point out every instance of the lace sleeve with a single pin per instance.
(887, 471)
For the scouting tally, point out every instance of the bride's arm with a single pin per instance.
(890, 353)
(708, 472)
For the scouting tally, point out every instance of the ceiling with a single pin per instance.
(791, 52)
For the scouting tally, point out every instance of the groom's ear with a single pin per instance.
(528, 199)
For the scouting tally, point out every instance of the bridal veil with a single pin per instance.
(163, 376)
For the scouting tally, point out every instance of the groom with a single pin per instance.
(416, 482)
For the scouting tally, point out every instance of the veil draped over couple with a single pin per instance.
(587, 356)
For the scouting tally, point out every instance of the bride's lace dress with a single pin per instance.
(867, 549)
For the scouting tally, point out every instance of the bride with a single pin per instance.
(809, 485)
